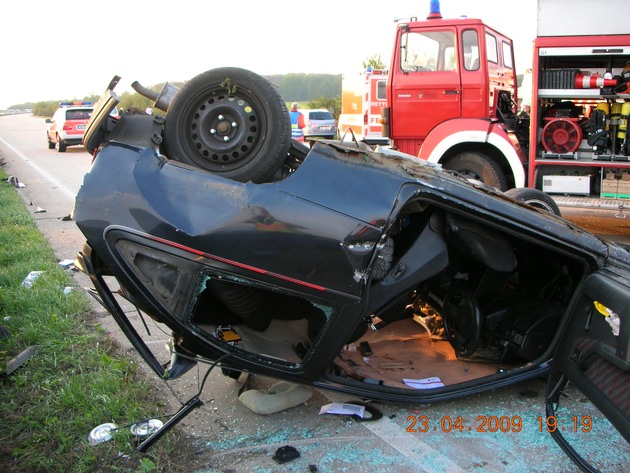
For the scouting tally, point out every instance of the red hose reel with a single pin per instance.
(562, 135)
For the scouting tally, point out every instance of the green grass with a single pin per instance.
(76, 380)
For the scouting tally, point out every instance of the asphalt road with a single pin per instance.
(229, 437)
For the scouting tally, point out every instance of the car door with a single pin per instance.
(593, 356)
(427, 89)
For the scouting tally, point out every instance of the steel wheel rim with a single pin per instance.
(223, 131)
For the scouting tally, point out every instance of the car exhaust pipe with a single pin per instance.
(162, 99)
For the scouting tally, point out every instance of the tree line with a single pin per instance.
(310, 90)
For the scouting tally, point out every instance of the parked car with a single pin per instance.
(320, 123)
(67, 125)
(368, 272)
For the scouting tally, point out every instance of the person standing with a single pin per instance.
(297, 123)
(524, 112)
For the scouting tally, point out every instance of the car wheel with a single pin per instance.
(61, 146)
(231, 122)
(535, 198)
(51, 144)
(478, 166)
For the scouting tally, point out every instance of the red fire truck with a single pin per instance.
(452, 98)
(452, 95)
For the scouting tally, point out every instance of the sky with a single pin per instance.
(72, 48)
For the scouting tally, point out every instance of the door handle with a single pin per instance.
(452, 92)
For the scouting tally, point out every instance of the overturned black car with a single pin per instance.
(355, 269)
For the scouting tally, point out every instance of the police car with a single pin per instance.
(67, 126)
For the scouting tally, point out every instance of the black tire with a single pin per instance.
(231, 122)
(478, 166)
(51, 145)
(61, 146)
(535, 198)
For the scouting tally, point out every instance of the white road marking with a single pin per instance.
(44, 174)
(414, 449)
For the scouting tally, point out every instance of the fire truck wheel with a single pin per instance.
(231, 122)
(535, 198)
(478, 166)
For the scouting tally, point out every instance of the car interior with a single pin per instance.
(473, 300)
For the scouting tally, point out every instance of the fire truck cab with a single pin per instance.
(452, 95)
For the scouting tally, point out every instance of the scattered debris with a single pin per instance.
(369, 380)
(31, 278)
(66, 263)
(365, 349)
(146, 427)
(101, 433)
(431, 321)
(360, 411)
(66, 218)
(39, 210)
(20, 359)
(347, 409)
(17, 361)
(285, 454)
(394, 366)
(425, 383)
(15, 182)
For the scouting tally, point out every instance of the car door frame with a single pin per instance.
(592, 358)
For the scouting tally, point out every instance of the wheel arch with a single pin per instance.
(483, 148)
(455, 136)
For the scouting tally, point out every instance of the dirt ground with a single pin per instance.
(612, 224)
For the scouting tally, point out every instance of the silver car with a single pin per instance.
(320, 123)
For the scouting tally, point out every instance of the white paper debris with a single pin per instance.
(343, 409)
(613, 321)
(426, 383)
(31, 278)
